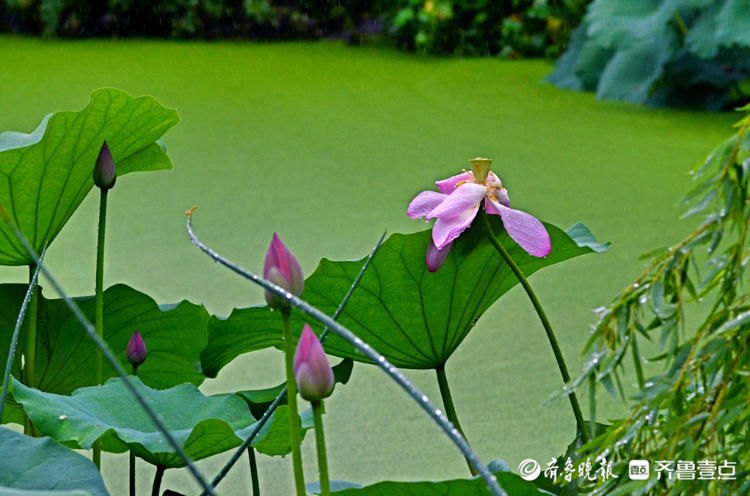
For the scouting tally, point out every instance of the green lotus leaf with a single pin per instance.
(415, 318)
(203, 425)
(41, 467)
(174, 336)
(47, 173)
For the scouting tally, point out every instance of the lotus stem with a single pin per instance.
(545, 323)
(320, 445)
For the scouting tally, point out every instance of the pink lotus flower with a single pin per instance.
(457, 204)
(136, 350)
(282, 269)
(312, 372)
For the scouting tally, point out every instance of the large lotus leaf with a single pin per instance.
(616, 24)
(630, 74)
(174, 336)
(510, 482)
(415, 318)
(203, 425)
(48, 173)
(723, 24)
(39, 466)
(581, 66)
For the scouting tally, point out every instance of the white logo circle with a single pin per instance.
(529, 469)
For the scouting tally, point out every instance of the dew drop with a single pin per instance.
(63, 417)
(636, 285)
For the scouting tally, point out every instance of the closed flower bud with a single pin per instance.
(105, 173)
(312, 372)
(282, 269)
(136, 350)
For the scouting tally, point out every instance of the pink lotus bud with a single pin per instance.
(136, 350)
(312, 371)
(105, 173)
(282, 269)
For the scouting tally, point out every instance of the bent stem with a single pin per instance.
(405, 384)
(291, 387)
(545, 323)
(16, 331)
(99, 303)
(450, 409)
(157, 480)
(320, 444)
(30, 348)
(88, 328)
(282, 394)
(253, 471)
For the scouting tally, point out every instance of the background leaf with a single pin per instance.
(40, 464)
(415, 318)
(48, 172)
(174, 336)
(204, 425)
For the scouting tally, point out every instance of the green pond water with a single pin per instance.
(326, 145)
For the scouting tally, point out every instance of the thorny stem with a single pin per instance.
(545, 323)
(16, 331)
(320, 445)
(291, 387)
(450, 409)
(282, 395)
(30, 352)
(421, 399)
(99, 303)
(88, 327)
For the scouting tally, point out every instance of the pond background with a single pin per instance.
(326, 144)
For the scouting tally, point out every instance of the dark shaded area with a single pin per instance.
(506, 28)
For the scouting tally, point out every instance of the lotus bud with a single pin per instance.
(282, 269)
(136, 350)
(312, 372)
(105, 173)
(481, 168)
(436, 256)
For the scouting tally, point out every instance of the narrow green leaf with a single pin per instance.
(47, 173)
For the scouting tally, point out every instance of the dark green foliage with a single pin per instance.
(264, 19)
(660, 52)
(510, 28)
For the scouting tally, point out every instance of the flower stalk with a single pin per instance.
(545, 323)
(104, 178)
(136, 353)
(255, 480)
(320, 445)
(450, 409)
(291, 387)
